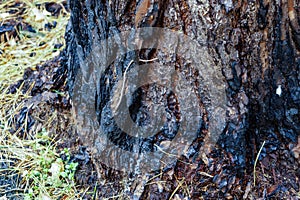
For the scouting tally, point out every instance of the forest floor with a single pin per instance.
(42, 157)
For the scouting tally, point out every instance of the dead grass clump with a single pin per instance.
(30, 164)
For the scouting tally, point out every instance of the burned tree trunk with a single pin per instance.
(255, 44)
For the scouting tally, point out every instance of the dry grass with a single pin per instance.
(15, 54)
(32, 164)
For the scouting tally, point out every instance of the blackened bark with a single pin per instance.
(256, 43)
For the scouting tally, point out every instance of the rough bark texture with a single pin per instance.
(255, 43)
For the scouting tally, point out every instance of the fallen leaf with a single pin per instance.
(3, 16)
(39, 16)
(45, 197)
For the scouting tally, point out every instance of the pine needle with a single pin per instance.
(254, 168)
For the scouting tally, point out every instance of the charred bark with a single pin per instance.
(255, 43)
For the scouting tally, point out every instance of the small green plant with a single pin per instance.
(49, 175)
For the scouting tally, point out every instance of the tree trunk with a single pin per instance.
(254, 45)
